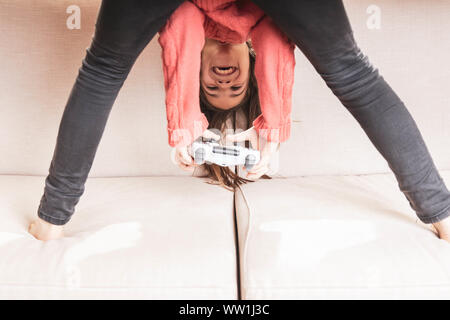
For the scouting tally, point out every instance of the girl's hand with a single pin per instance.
(266, 149)
(182, 157)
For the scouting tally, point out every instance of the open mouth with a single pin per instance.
(224, 70)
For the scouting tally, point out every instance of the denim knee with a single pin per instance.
(103, 69)
(350, 75)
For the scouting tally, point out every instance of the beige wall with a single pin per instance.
(40, 57)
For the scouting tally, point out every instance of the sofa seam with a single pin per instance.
(182, 176)
(247, 237)
(237, 250)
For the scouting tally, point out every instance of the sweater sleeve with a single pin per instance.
(182, 40)
(274, 72)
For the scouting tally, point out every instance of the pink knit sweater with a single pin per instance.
(182, 40)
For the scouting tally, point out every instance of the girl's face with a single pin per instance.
(224, 73)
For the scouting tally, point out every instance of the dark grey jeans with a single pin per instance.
(323, 33)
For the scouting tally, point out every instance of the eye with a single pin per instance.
(236, 88)
(212, 88)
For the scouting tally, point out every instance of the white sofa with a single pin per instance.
(331, 224)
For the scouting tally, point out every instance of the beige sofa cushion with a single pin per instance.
(344, 237)
(131, 238)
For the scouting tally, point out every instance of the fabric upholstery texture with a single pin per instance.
(337, 237)
(127, 240)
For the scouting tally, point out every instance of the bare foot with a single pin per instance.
(443, 229)
(42, 230)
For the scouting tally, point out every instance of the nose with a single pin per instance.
(224, 83)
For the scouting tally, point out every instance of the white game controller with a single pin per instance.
(210, 151)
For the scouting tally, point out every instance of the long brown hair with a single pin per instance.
(217, 119)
